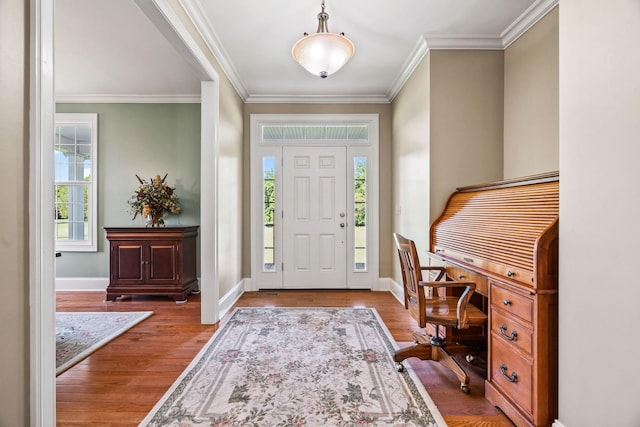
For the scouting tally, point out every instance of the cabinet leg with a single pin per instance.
(111, 297)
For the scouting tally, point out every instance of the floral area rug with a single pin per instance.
(297, 367)
(79, 334)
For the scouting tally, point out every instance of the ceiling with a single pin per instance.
(109, 51)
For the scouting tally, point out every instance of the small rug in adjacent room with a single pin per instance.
(79, 334)
(297, 367)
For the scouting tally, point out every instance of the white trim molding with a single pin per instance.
(42, 300)
(410, 64)
(82, 283)
(317, 99)
(129, 99)
(231, 297)
(464, 41)
(208, 34)
(528, 19)
(396, 290)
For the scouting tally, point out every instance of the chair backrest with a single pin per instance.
(414, 295)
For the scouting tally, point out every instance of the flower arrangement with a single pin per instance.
(153, 199)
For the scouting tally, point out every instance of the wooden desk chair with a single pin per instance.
(426, 305)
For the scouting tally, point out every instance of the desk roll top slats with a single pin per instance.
(507, 233)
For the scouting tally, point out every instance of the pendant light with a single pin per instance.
(323, 53)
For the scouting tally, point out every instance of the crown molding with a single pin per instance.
(210, 37)
(128, 99)
(524, 22)
(413, 60)
(317, 99)
(528, 19)
(464, 41)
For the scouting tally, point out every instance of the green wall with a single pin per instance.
(143, 139)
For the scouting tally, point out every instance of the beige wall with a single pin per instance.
(230, 186)
(531, 100)
(466, 121)
(384, 112)
(14, 304)
(411, 185)
(599, 205)
(447, 132)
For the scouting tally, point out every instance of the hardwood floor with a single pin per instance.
(119, 384)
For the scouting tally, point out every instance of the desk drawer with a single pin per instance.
(516, 304)
(511, 332)
(512, 373)
(462, 275)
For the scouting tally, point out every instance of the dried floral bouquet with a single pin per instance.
(153, 199)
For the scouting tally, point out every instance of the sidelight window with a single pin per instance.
(268, 213)
(360, 213)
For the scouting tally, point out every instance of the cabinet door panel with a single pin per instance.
(163, 261)
(129, 257)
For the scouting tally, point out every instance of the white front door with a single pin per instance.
(314, 253)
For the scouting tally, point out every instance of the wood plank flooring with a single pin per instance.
(120, 383)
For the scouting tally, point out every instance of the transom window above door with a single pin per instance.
(314, 132)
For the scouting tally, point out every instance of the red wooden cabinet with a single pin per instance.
(152, 261)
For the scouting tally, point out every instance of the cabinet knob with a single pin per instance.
(506, 302)
(510, 273)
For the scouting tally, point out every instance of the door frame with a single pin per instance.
(42, 298)
(368, 279)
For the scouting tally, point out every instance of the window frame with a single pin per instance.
(89, 120)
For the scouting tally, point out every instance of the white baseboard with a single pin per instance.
(97, 284)
(384, 284)
(82, 284)
(396, 290)
(557, 423)
(230, 298)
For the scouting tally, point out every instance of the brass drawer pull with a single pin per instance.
(503, 330)
(514, 376)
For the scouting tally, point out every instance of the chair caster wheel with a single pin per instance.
(399, 367)
(470, 358)
(465, 389)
